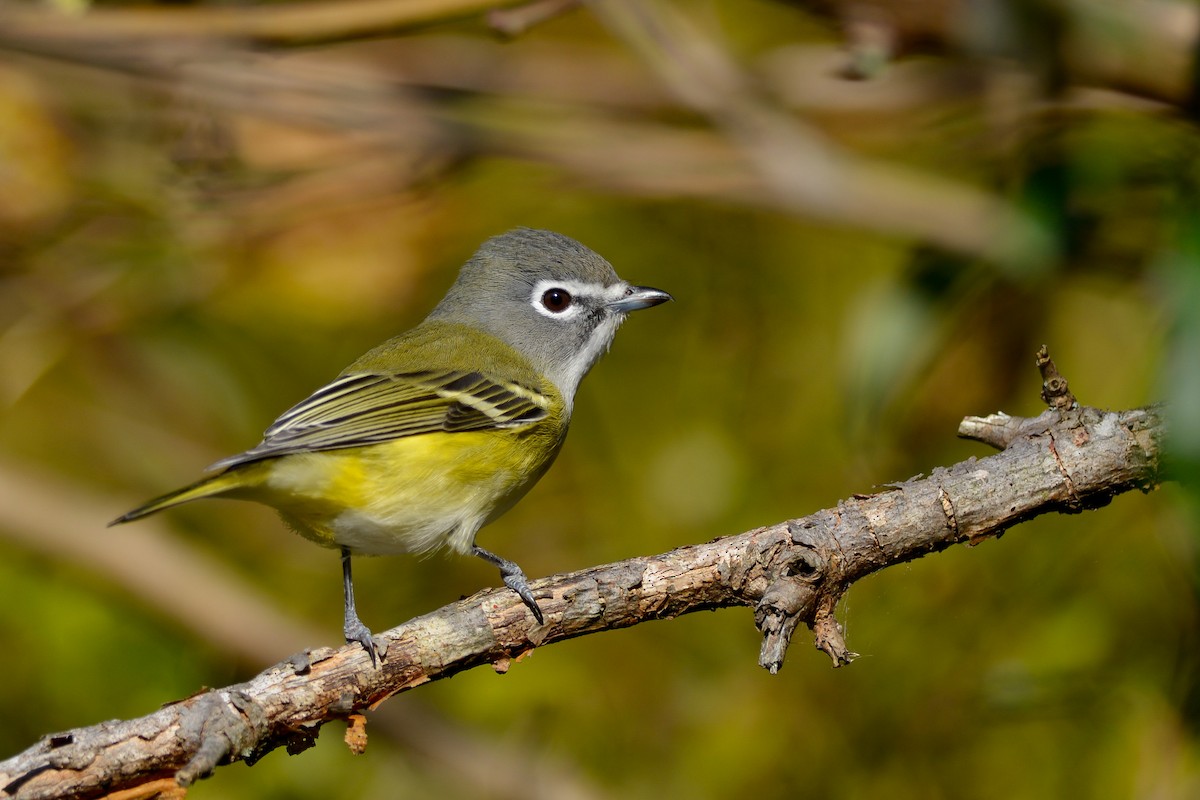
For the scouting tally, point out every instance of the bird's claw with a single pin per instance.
(356, 631)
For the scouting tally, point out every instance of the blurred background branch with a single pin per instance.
(203, 54)
(283, 23)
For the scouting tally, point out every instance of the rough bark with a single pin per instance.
(1066, 460)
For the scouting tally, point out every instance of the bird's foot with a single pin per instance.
(519, 584)
(356, 631)
(514, 578)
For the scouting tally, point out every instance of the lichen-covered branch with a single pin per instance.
(792, 572)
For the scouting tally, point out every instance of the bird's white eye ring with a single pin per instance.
(556, 300)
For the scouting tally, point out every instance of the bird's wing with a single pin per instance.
(363, 408)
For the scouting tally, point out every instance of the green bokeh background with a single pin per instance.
(146, 329)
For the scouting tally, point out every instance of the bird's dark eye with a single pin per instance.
(556, 300)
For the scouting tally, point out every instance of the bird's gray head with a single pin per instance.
(549, 297)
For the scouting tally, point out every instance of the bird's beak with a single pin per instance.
(639, 297)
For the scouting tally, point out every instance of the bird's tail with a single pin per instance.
(211, 486)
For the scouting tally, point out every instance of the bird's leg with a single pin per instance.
(514, 578)
(353, 628)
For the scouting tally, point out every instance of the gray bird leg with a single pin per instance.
(514, 578)
(353, 628)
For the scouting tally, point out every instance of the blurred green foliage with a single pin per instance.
(161, 303)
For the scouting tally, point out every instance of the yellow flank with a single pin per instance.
(403, 496)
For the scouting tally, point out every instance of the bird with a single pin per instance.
(440, 430)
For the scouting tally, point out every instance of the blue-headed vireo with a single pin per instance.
(440, 430)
